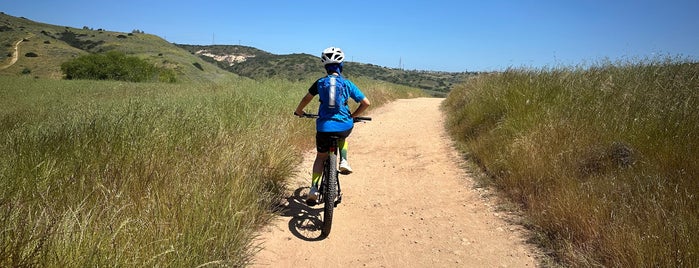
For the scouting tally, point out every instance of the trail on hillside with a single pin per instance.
(409, 203)
(15, 55)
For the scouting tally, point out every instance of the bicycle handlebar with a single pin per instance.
(356, 119)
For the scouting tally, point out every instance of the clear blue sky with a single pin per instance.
(436, 35)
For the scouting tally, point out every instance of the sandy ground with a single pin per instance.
(409, 203)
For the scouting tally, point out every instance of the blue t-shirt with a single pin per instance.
(334, 91)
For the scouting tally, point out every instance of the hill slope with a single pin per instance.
(256, 64)
(44, 47)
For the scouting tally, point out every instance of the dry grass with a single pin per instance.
(123, 174)
(603, 159)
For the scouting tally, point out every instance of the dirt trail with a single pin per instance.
(409, 203)
(15, 55)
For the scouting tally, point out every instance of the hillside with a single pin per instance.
(44, 47)
(257, 64)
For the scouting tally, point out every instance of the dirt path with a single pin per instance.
(15, 56)
(408, 204)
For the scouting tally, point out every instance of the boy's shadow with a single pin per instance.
(305, 222)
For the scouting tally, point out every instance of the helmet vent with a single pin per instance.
(332, 55)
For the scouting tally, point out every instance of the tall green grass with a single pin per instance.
(124, 174)
(603, 159)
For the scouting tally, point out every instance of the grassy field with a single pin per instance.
(146, 174)
(603, 159)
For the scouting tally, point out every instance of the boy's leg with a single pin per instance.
(322, 148)
(322, 145)
(313, 194)
(344, 164)
(344, 145)
(318, 168)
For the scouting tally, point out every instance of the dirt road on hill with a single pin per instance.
(409, 203)
(15, 56)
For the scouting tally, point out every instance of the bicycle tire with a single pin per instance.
(330, 193)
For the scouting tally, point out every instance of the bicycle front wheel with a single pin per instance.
(330, 193)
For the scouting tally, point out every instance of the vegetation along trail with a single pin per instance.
(409, 203)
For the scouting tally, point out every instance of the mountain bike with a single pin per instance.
(329, 189)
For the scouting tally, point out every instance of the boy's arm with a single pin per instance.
(363, 105)
(304, 101)
(355, 94)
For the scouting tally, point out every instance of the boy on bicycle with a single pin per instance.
(334, 115)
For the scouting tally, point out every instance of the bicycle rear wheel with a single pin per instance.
(330, 193)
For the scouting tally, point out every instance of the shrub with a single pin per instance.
(26, 71)
(196, 64)
(168, 76)
(31, 55)
(74, 40)
(112, 65)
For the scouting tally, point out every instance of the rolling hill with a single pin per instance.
(258, 64)
(44, 47)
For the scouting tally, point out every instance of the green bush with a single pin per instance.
(167, 75)
(198, 65)
(112, 65)
(74, 40)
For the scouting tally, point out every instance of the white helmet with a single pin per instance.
(332, 55)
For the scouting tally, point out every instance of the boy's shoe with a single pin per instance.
(345, 168)
(313, 195)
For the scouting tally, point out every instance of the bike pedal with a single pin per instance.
(338, 201)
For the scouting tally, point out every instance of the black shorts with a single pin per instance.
(324, 140)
